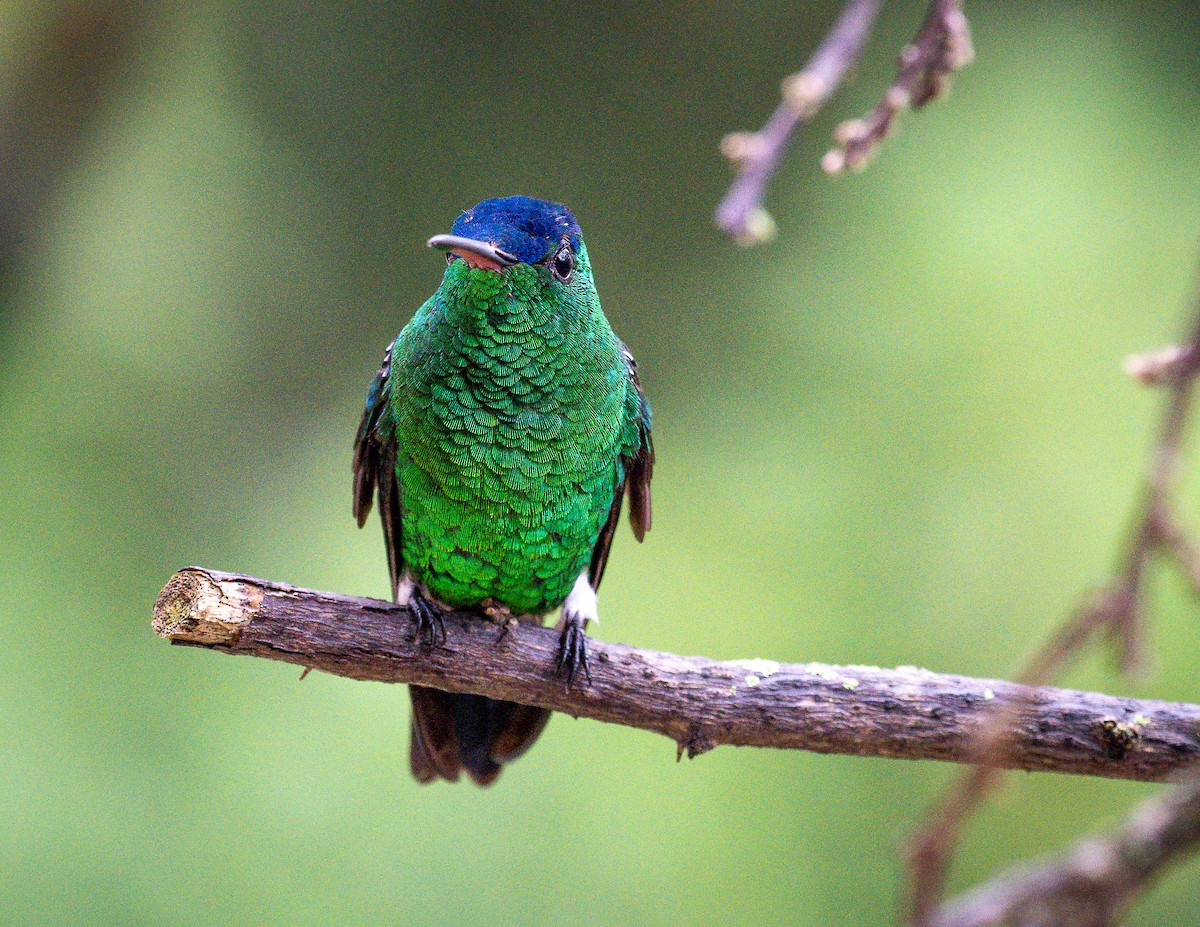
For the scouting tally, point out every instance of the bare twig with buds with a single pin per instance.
(757, 154)
(941, 47)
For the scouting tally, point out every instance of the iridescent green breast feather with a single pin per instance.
(514, 408)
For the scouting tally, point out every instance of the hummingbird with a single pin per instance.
(501, 436)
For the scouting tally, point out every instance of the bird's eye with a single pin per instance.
(562, 263)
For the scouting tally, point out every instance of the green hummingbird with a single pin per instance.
(501, 435)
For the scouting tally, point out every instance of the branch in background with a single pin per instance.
(904, 713)
(1115, 610)
(757, 154)
(70, 70)
(940, 48)
(1093, 884)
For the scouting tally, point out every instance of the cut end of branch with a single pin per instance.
(195, 608)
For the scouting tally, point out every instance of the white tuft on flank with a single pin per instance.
(581, 602)
(405, 590)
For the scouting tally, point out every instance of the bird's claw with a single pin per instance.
(431, 626)
(573, 651)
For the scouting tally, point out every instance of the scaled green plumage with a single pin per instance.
(514, 408)
(501, 434)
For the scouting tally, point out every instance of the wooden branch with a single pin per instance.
(905, 713)
(1094, 883)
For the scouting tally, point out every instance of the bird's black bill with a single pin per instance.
(483, 249)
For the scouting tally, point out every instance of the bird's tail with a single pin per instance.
(454, 731)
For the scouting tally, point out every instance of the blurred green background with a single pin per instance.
(897, 435)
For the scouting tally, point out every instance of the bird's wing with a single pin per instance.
(638, 465)
(375, 468)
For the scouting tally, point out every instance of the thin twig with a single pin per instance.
(1094, 883)
(940, 48)
(904, 713)
(757, 154)
(1115, 610)
(65, 72)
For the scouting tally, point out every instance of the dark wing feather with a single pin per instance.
(639, 469)
(604, 542)
(375, 468)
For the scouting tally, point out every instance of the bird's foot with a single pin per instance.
(573, 649)
(431, 626)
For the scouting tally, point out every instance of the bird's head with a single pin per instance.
(500, 233)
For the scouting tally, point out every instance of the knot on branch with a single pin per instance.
(1117, 737)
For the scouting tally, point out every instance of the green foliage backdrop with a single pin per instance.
(898, 435)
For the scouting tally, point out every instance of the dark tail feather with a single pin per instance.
(452, 732)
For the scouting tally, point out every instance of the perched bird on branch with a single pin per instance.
(501, 435)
